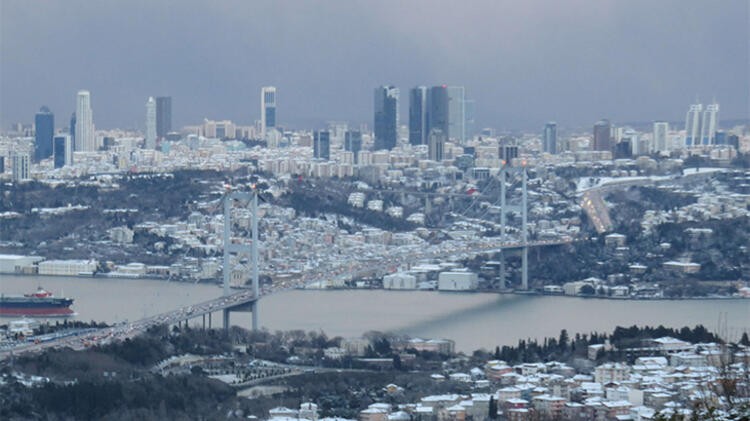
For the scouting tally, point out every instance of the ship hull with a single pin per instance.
(35, 306)
(36, 311)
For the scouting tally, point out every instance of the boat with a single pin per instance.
(39, 303)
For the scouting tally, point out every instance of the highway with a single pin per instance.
(126, 330)
(596, 210)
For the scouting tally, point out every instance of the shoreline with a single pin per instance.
(534, 294)
(103, 275)
(302, 288)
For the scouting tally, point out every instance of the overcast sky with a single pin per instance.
(524, 62)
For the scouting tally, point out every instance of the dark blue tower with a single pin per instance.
(386, 117)
(59, 144)
(45, 130)
(353, 142)
(437, 109)
(322, 145)
(73, 129)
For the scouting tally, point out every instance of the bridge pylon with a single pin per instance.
(232, 249)
(524, 220)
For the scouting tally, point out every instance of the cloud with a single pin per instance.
(523, 62)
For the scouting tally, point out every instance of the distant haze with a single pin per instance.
(523, 62)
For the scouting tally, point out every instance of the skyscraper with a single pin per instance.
(386, 117)
(708, 125)
(549, 143)
(20, 163)
(469, 113)
(44, 123)
(322, 145)
(602, 136)
(692, 125)
(150, 140)
(353, 143)
(456, 113)
(63, 150)
(437, 109)
(436, 145)
(418, 116)
(163, 116)
(508, 152)
(267, 109)
(84, 131)
(661, 131)
(72, 130)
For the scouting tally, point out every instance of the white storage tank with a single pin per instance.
(400, 281)
(457, 281)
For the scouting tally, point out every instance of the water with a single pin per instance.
(472, 320)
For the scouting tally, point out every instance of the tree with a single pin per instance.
(587, 290)
(493, 408)
(397, 362)
(563, 340)
(745, 340)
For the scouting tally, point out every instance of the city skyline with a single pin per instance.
(503, 69)
(485, 211)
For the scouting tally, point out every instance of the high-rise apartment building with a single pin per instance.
(660, 136)
(353, 143)
(150, 139)
(386, 117)
(63, 145)
(84, 127)
(163, 116)
(322, 145)
(418, 116)
(436, 145)
(44, 125)
(602, 136)
(456, 113)
(708, 124)
(549, 142)
(267, 109)
(20, 162)
(508, 151)
(692, 125)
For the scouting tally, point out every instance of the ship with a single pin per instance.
(39, 303)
